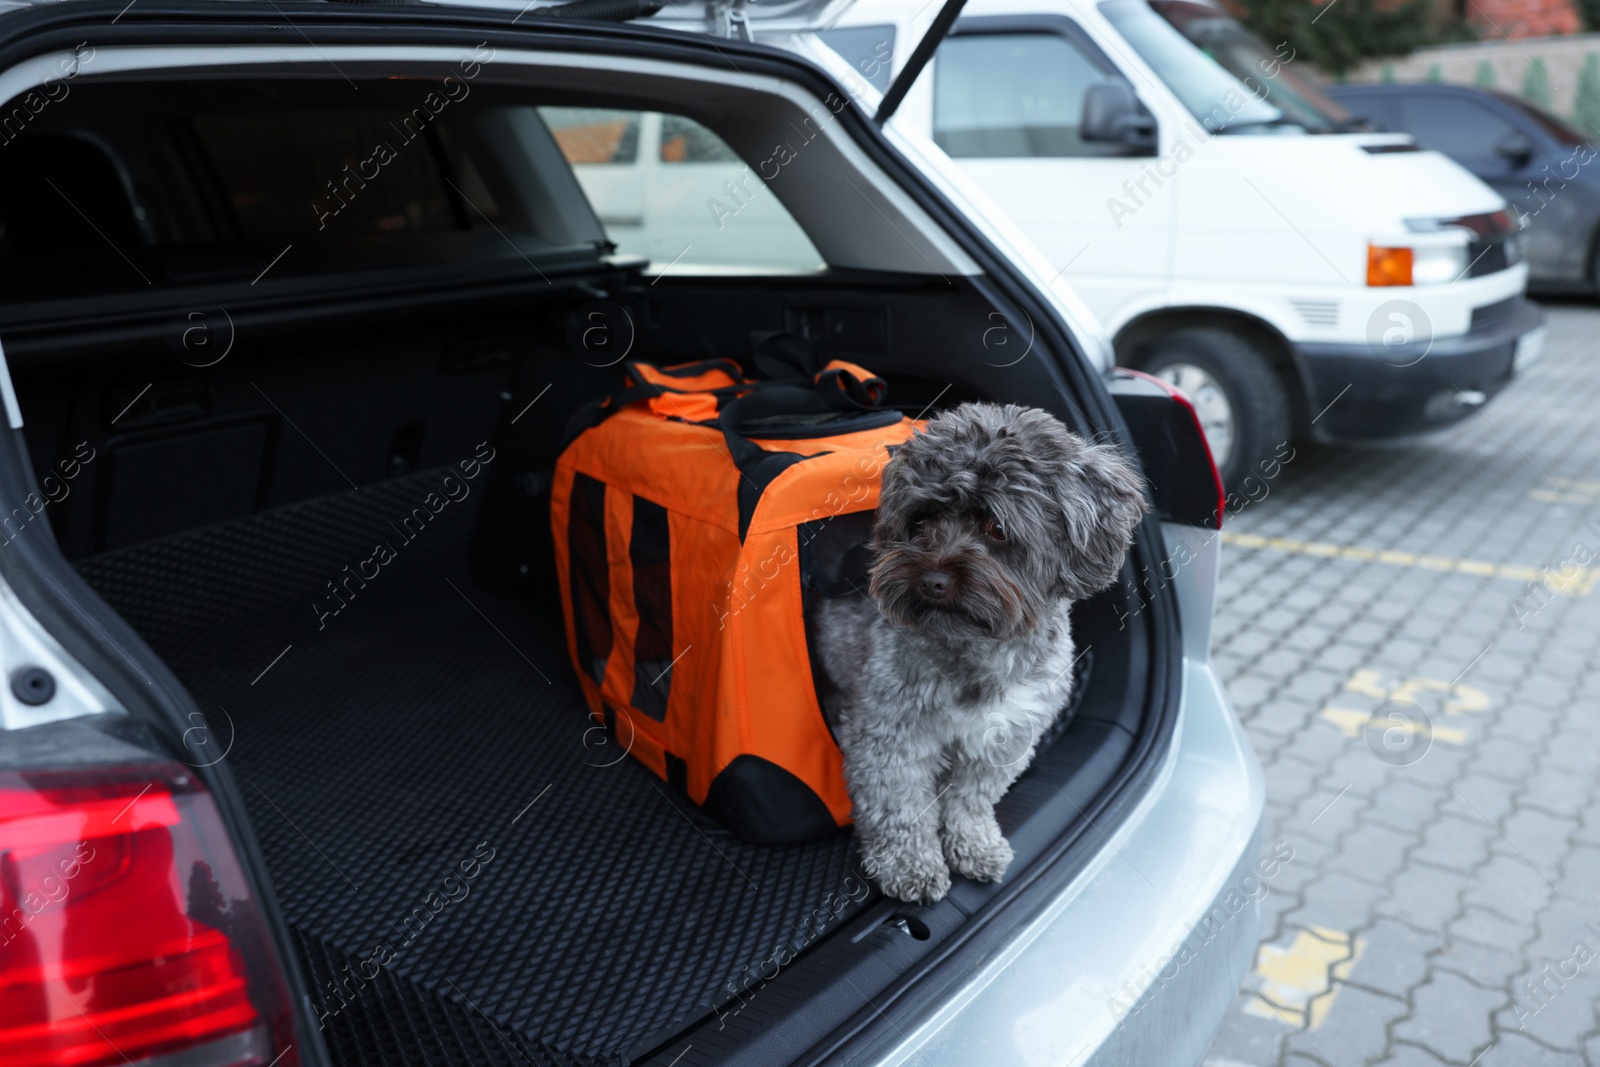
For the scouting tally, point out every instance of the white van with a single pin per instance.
(1236, 233)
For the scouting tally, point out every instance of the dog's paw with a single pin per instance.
(983, 856)
(917, 880)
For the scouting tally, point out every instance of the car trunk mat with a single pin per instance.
(473, 870)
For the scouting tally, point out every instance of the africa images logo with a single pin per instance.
(1400, 333)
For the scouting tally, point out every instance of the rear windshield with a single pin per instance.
(1558, 129)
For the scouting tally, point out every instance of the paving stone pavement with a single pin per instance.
(1411, 636)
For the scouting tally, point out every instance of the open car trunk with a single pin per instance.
(435, 805)
(336, 536)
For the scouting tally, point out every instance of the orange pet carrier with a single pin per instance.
(696, 515)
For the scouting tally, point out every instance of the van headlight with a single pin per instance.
(1438, 264)
(1415, 265)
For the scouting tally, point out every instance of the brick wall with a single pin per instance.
(1521, 18)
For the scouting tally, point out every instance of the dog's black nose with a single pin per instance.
(936, 585)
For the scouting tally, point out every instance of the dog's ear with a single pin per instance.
(898, 497)
(1102, 499)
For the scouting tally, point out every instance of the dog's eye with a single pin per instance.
(994, 531)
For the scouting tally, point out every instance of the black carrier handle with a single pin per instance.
(818, 401)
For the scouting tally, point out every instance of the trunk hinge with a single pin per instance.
(727, 18)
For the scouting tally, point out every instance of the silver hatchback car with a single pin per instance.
(296, 300)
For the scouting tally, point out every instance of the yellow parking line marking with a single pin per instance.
(1570, 581)
(1296, 984)
(1400, 696)
(1568, 491)
(1351, 722)
(1348, 720)
(1520, 573)
(1579, 583)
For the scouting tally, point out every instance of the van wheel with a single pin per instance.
(1241, 401)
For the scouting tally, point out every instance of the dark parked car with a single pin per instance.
(1542, 165)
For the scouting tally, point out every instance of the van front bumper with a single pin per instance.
(1365, 392)
(1135, 964)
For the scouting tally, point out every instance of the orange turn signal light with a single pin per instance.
(1388, 266)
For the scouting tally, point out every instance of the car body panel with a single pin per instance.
(1136, 962)
(1419, 382)
(743, 20)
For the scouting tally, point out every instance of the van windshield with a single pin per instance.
(1222, 74)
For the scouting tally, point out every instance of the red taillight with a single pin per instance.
(1189, 439)
(127, 931)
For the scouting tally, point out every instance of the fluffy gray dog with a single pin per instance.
(991, 522)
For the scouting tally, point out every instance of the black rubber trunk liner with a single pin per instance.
(475, 874)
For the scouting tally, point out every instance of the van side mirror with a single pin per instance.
(1515, 149)
(1113, 114)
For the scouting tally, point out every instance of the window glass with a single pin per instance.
(1461, 128)
(1011, 95)
(289, 175)
(1201, 83)
(594, 135)
(1266, 74)
(685, 141)
(117, 188)
(667, 188)
(1375, 109)
(243, 180)
(1559, 129)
